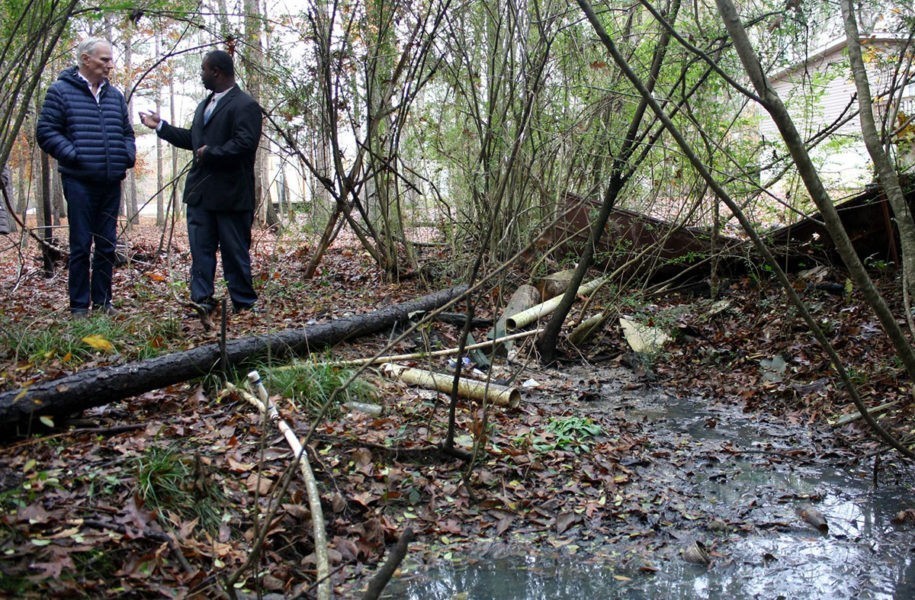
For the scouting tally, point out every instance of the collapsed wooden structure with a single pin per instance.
(638, 245)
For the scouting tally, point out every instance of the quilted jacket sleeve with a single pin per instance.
(52, 129)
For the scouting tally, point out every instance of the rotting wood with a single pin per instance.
(467, 388)
(544, 308)
(554, 284)
(522, 299)
(100, 386)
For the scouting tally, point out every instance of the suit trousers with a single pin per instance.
(92, 213)
(229, 232)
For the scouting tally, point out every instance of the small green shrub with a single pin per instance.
(567, 433)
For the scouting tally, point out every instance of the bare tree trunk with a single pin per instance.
(44, 216)
(886, 173)
(25, 187)
(285, 201)
(58, 200)
(174, 198)
(160, 175)
(160, 155)
(254, 63)
(7, 201)
(321, 196)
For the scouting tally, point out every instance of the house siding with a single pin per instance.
(825, 82)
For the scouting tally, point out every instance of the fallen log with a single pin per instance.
(100, 386)
(554, 284)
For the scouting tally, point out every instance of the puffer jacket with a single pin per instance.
(91, 141)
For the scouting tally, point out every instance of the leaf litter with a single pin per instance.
(610, 458)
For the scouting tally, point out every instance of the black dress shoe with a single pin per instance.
(107, 310)
(202, 310)
(254, 309)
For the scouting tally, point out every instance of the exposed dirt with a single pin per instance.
(569, 467)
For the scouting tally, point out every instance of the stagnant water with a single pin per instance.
(864, 554)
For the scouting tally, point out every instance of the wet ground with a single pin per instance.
(721, 504)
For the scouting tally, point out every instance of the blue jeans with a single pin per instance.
(230, 233)
(92, 212)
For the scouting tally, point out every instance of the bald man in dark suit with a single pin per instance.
(219, 190)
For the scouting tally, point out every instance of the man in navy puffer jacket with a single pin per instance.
(84, 124)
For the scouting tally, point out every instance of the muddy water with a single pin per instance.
(736, 484)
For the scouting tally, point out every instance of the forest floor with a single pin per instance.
(166, 493)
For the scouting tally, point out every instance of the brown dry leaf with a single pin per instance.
(297, 511)
(53, 569)
(187, 527)
(566, 520)
(221, 549)
(503, 524)
(238, 466)
(259, 483)
(34, 514)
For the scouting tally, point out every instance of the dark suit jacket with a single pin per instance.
(224, 178)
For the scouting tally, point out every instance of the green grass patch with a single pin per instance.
(77, 341)
(311, 384)
(167, 481)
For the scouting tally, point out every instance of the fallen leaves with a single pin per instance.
(572, 465)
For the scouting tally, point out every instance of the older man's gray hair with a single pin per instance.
(88, 46)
